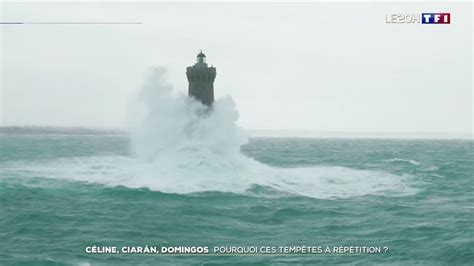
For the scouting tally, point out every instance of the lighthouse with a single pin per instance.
(201, 80)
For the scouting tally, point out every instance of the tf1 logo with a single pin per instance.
(424, 18)
(436, 18)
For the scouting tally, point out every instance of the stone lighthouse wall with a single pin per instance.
(201, 83)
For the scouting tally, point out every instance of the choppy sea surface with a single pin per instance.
(62, 193)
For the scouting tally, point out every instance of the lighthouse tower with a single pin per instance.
(201, 80)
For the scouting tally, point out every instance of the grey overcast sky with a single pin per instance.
(307, 66)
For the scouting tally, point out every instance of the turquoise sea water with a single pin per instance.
(62, 193)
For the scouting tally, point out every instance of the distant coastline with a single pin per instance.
(50, 130)
(357, 135)
(53, 130)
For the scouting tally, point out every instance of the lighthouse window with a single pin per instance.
(201, 60)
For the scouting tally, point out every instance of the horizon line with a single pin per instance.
(288, 133)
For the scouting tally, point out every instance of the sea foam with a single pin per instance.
(178, 146)
(183, 147)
